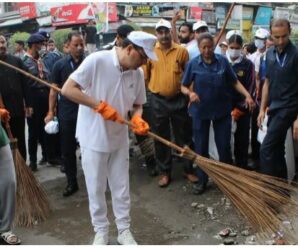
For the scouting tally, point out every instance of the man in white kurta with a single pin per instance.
(113, 77)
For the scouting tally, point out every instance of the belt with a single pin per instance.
(168, 98)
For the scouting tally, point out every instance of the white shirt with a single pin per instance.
(255, 58)
(100, 77)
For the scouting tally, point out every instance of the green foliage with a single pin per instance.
(17, 36)
(59, 36)
(294, 37)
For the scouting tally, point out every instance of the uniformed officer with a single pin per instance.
(244, 69)
(280, 94)
(212, 79)
(39, 95)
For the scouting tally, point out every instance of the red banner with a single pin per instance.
(195, 13)
(113, 12)
(27, 10)
(71, 14)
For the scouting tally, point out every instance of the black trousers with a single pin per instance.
(241, 141)
(272, 153)
(67, 129)
(40, 105)
(17, 125)
(170, 116)
(141, 139)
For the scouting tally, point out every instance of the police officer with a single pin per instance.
(280, 94)
(39, 95)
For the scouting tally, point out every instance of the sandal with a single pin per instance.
(10, 238)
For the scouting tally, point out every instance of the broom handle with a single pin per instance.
(225, 24)
(8, 129)
(154, 136)
(30, 76)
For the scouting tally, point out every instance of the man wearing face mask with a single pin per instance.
(260, 42)
(38, 94)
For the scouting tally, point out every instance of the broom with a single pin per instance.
(32, 204)
(263, 200)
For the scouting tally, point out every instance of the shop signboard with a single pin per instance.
(282, 13)
(71, 14)
(156, 10)
(113, 12)
(232, 24)
(220, 12)
(195, 13)
(263, 16)
(27, 10)
(247, 13)
(208, 16)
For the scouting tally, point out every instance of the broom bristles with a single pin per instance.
(263, 200)
(32, 204)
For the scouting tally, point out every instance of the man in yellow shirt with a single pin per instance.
(169, 105)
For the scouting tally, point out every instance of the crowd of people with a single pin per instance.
(178, 83)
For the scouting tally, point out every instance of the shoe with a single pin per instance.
(70, 189)
(33, 167)
(101, 239)
(191, 177)
(43, 161)
(62, 168)
(164, 181)
(55, 161)
(126, 238)
(199, 188)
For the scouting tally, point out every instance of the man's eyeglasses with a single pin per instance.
(142, 54)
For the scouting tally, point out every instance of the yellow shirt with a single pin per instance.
(164, 76)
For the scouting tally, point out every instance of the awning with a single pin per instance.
(143, 22)
(11, 22)
(44, 21)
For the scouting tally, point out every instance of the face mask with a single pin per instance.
(234, 53)
(259, 43)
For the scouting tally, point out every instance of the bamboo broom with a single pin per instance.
(32, 204)
(263, 200)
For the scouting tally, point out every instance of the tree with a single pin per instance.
(17, 36)
(59, 36)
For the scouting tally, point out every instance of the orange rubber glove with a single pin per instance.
(236, 114)
(108, 112)
(4, 114)
(141, 127)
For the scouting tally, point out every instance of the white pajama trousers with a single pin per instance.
(100, 168)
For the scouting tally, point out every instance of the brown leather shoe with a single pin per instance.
(164, 181)
(191, 177)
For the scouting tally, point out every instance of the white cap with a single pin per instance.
(199, 24)
(232, 32)
(163, 23)
(146, 41)
(262, 33)
(52, 127)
